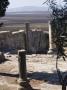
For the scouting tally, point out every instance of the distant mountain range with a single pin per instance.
(27, 9)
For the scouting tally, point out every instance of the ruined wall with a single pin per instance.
(38, 41)
(18, 39)
(5, 40)
(10, 41)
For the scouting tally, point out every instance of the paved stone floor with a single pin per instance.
(41, 72)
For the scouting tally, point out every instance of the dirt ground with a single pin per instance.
(41, 72)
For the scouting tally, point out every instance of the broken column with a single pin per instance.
(22, 69)
(22, 66)
(23, 82)
(50, 39)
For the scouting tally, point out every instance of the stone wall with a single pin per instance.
(18, 39)
(38, 41)
(10, 41)
(5, 42)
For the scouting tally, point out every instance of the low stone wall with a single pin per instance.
(37, 41)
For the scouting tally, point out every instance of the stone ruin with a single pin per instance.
(37, 40)
(11, 40)
(14, 41)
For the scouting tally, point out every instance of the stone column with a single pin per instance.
(23, 82)
(22, 66)
(50, 39)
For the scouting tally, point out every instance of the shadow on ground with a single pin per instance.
(9, 75)
(27, 86)
(50, 78)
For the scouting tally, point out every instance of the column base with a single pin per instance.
(50, 51)
(24, 85)
(22, 81)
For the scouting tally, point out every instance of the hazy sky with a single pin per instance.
(19, 3)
